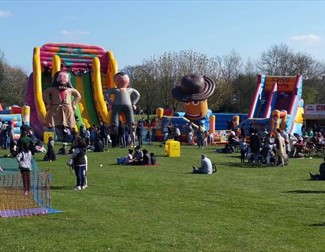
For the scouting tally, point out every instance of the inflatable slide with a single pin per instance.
(276, 103)
(92, 71)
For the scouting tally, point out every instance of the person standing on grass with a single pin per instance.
(255, 145)
(243, 149)
(50, 155)
(80, 163)
(121, 134)
(139, 131)
(200, 137)
(24, 159)
(280, 149)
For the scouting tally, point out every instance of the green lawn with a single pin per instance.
(166, 208)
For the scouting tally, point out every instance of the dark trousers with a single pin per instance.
(242, 155)
(25, 175)
(80, 174)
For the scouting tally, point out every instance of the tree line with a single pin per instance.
(235, 78)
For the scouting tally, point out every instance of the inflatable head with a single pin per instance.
(122, 80)
(61, 80)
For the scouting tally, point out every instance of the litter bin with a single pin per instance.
(46, 136)
(172, 148)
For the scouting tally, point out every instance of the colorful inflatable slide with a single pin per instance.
(277, 102)
(92, 71)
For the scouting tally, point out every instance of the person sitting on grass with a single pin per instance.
(146, 160)
(321, 175)
(138, 155)
(63, 149)
(99, 145)
(127, 159)
(206, 166)
(153, 158)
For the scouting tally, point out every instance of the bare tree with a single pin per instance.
(280, 60)
(13, 89)
(166, 71)
(13, 83)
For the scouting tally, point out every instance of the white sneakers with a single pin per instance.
(78, 188)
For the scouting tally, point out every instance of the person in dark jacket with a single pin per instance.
(321, 175)
(153, 158)
(146, 158)
(79, 163)
(255, 145)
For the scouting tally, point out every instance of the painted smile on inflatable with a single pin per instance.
(194, 90)
(196, 110)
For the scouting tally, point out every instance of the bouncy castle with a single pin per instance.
(92, 71)
(277, 103)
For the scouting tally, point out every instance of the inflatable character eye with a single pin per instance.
(187, 103)
(195, 103)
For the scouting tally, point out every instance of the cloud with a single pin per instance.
(74, 33)
(5, 13)
(309, 39)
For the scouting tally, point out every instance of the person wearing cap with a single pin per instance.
(206, 166)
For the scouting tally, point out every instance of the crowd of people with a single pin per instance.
(199, 135)
(256, 145)
(95, 138)
(260, 146)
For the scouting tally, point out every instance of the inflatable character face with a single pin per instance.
(122, 81)
(196, 110)
(63, 78)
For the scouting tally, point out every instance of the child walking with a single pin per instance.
(24, 159)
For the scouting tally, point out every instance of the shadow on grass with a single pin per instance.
(243, 165)
(317, 225)
(61, 188)
(304, 191)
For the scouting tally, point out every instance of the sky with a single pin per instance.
(137, 30)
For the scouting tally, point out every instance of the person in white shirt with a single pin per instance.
(206, 166)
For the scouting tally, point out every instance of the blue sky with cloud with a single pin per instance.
(138, 30)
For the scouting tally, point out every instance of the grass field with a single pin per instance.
(166, 208)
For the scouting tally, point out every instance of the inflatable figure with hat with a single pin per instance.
(193, 91)
(124, 100)
(59, 103)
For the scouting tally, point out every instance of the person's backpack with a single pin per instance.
(214, 168)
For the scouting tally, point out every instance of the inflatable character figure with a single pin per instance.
(59, 103)
(193, 91)
(124, 100)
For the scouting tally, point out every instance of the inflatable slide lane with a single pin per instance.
(92, 71)
(277, 103)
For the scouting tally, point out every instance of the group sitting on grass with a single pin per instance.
(140, 157)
